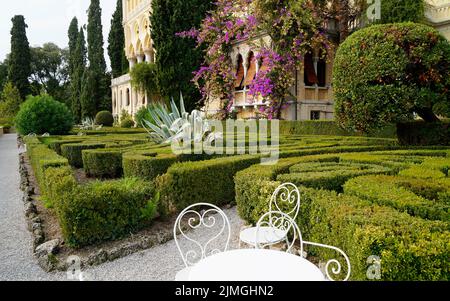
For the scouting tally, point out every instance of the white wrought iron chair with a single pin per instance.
(283, 222)
(209, 217)
(285, 196)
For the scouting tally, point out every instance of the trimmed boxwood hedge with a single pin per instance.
(103, 163)
(147, 165)
(73, 152)
(410, 248)
(380, 190)
(209, 181)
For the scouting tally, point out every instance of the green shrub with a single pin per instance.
(103, 163)
(382, 75)
(422, 133)
(101, 211)
(376, 189)
(209, 181)
(43, 114)
(147, 165)
(73, 152)
(127, 123)
(10, 101)
(104, 118)
(141, 115)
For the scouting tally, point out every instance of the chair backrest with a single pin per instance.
(276, 220)
(286, 198)
(201, 215)
(278, 226)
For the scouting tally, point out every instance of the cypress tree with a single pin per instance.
(96, 56)
(88, 101)
(176, 57)
(73, 39)
(77, 76)
(116, 43)
(20, 57)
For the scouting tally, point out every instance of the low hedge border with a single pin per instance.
(147, 165)
(380, 190)
(73, 152)
(410, 248)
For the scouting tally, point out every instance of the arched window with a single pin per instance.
(251, 72)
(240, 73)
(128, 98)
(143, 101)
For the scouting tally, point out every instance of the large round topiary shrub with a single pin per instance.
(386, 73)
(104, 118)
(43, 114)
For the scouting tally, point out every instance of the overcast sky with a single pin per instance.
(48, 20)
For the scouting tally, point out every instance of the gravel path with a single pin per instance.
(16, 259)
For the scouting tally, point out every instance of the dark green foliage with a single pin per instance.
(20, 58)
(97, 98)
(79, 65)
(176, 57)
(421, 133)
(127, 123)
(324, 127)
(104, 118)
(147, 165)
(143, 78)
(43, 114)
(141, 115)
(49, 70)
(3, 74)
(396, 11)
(73, 152)
(88, 97)
(102, 163)
(73, 34)
(116, 43)
(384, 73)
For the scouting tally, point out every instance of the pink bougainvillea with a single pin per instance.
(294, 30)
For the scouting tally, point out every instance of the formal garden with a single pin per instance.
(375, 181)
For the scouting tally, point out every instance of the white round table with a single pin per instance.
(255, 265)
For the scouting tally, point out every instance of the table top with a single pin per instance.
(255, 265)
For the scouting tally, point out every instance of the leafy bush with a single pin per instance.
(10, 101)
(141, 115)
(104, 118)
(73, 152)
(102, 163)
(56, 145)
(422, 172)
(43, 114)
(377, 190)
(384, 73)
(126, 120)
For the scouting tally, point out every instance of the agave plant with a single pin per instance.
(89, 124)
(166, 127)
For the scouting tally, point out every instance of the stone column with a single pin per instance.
(140, 58)
(132, 62)
(148, 56)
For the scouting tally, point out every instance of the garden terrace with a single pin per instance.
(133, 181)
(392, 204)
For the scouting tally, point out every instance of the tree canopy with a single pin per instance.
(116, 43)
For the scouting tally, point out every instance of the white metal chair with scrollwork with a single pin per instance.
(285, 224)
(209, 217)
(286, 198)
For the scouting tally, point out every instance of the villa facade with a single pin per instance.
(312, 93)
